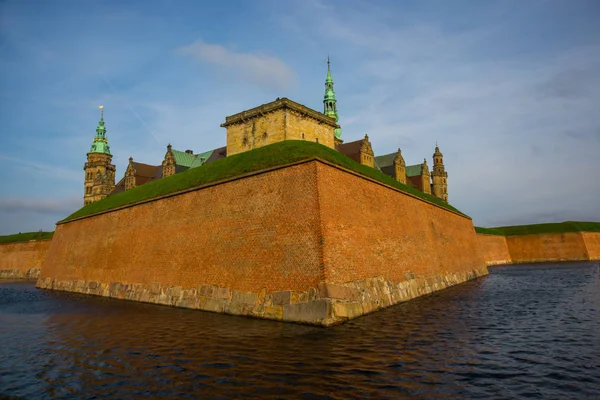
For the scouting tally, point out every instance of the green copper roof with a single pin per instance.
(190, 160)
(184, 159)
(201, 159)
(329, 101)
(413, 170)
(385, 160)
(100, 144)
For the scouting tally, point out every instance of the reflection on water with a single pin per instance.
(522, 331)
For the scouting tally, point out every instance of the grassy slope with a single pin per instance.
(554, 227)
(25, 237)
(265, 157)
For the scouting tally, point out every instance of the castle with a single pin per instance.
(280, 120)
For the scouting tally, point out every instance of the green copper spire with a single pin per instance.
(100, 144)
(329, 102)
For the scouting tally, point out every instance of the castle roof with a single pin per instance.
(144, 173)
(413, 170)
(188, 160)
(351, 149)
(386, 160)
(283, 103)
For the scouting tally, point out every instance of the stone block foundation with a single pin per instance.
(327, 305)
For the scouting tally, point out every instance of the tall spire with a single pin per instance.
(329, 101)
(100, 144)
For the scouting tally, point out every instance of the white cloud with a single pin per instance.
(519, 134)
(260, 69)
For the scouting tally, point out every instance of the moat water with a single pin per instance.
(529, 331)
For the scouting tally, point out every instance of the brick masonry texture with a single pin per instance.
(293, 244)
(494, 249)
(371, 230)
(574, 246)
(22, 260)
(592, 244)
(252, 234)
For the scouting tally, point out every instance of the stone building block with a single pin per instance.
(332, 291)
(155, 288)
(206, 290)
(243, 297)
(275, 312)
(222, 293)
(214, 305)
(315, 312)
(282, 298)
(348, 310)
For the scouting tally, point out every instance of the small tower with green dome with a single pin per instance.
(99, 172)
(329, 101)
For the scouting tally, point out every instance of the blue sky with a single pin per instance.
(509, 89)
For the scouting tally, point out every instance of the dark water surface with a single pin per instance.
(521, 332)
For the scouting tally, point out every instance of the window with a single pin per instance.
(317, 140)
(302, 135)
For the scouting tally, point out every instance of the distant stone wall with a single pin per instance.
(22, 260)
(547, 247)
(592, 244)
(572, 246)
(494, 249)
(294, 244)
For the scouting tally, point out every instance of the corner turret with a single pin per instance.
(439, 175)
(400, 167)
(99, 172)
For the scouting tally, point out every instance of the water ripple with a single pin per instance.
(522, 332)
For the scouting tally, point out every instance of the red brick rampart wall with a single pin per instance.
(494, 249)
(547, 247)
(258, 232)
(592, 244)
(22, 259)
(372, 230)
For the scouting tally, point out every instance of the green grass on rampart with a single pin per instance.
(25, 237)
(552, 227)
(258, 159)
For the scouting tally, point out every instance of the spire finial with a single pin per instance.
(328, 62)
(101, 107)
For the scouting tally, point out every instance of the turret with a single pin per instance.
(367, 157)
(330, 103)
(439, 175)
(426, 177)
(99, 172)
(400, 168)
(168, 164)
(130, 175)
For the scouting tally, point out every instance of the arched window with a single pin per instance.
(317, 140)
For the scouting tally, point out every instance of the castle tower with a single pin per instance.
(400, 168)
(330, 103)
(367, 157)
(168, 164)
(99, 172)
(440, 185)
(426, 177)
(130, 175)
